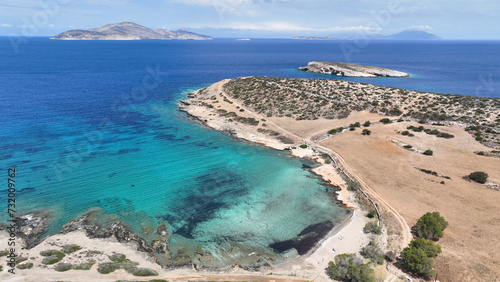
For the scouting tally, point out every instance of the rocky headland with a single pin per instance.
(350, 70)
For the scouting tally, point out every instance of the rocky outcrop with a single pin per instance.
(350, 70)
(29, 227)
(128, 31)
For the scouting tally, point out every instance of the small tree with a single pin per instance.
(479, 177)
(366, 132)
(385, 121)
(417, 262)
(367, 123)
(430, 248)
(431, 226)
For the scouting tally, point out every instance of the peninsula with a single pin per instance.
(410, 152)
(128, 31)
(350, 70)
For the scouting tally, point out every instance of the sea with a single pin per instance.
(94, 125)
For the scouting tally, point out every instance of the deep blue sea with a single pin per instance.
(95, 124)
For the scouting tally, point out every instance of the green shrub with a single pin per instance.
(349, 267)
(118, 257)
(430, 248)
(61, 267)
(51, 256)
(4, 253)
(142, 272)
(428, 153)
(352, 185)
(372, 214)
(27, 265)
(366, 132)
(51, 259)
(85, 265)
(431, 226)
(479, 177)
(303, 146)
(367, 123)
(107, 267)
(372, 227)
(68, 249)
(407, 146)
(385, 121)
(18, 260)
(333, 131)
(373, 252)
(395, 112)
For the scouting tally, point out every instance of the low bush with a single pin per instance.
(372, 227)
(142, 272)
(68, 249)
(51, 256)
(27, 265)
(333, 131)
(385, 121)
(61, 267)
(373, 252)
(428, 153)
(366, 132)
(372, 214)
(479, 177)
(303, 146)
(107, 267)
(84, 266)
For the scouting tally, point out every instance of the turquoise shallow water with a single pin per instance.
(209, 188)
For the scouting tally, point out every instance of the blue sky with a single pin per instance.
(450, 19)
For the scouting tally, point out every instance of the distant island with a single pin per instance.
(412, 35)
(128, 31)
(350, 70)
(313, 38)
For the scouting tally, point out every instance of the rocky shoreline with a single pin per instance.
(350, 70)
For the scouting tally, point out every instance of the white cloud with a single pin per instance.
(283, 27)
(280, 27)
(5, 25)
(419, 27)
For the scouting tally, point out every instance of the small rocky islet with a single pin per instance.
(350, 70)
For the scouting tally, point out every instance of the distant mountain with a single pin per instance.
(412, 35)
(313, 38)
(127, 31)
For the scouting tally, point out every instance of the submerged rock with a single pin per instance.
(350, 70)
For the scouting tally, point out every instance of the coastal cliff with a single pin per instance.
(128, 31)
(350, 70)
